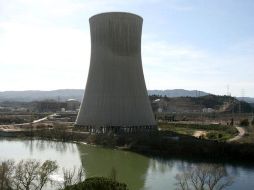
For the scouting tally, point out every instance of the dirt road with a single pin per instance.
(241, 133)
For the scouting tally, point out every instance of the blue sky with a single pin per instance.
(190, 44)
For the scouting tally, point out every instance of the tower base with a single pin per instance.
(118, 129)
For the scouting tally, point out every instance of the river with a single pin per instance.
(138, 171)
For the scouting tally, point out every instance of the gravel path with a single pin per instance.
(241, 133)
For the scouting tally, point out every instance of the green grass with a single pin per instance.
(180, 130)
(213, 131)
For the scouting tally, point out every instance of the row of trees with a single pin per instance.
(6, 120)
(246, 122)
(34, 175)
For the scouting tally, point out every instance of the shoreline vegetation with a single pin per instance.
(32, 174)
(162, 143)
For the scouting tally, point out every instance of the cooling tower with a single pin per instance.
(115, 96)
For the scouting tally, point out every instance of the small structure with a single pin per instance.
(72, 105)
(208, 110)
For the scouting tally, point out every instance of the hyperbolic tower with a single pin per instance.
(115, 96)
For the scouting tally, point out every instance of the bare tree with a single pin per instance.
(45, 170)
(204, 177)
(26, 173)
(72, 177)
(182, 181)
(113, 174)
(6, 171)
(216, 176)
(32, 175)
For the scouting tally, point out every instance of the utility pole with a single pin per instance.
(228, 93)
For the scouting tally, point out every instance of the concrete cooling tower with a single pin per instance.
(115, 97)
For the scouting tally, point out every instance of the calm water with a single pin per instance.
(139, 172)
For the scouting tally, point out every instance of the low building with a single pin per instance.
(208, 110)
(50, 106)
(72, 105)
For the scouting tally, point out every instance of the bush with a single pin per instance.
(98, 183)
(244, 122)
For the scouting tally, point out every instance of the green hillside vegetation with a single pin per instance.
(218, 103)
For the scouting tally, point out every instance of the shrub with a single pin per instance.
(98, 183)
(244, 122)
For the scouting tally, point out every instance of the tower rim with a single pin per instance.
(114, 13)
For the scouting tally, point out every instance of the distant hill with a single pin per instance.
(178, 93)
(36, 95)
(65, 94)
(246, 99)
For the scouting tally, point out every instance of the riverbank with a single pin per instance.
(162, 144)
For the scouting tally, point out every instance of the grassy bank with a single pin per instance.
(212, 131)
(159, 144)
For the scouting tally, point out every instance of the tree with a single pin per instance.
(204, 177)
(72, 177)
(46, 169)
(113, 174)
(26, 174)
(244, 122)
(6, 172)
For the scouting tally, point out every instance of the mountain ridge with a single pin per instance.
(65, 94)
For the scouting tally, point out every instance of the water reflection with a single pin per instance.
(43, 145)
(130, 168)
(204, 176)
(66, 154)
(139, 172)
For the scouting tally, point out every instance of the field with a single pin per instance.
(207, 131)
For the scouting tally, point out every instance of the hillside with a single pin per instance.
(178, 93)
(64, 94)
(37, 95)
(196, 104)
(246, 99)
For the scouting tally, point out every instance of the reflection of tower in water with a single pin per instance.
(130, 168)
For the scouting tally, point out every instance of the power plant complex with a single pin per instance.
(116, 97)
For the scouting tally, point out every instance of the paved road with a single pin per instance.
(44, 118)
(241, 133)
(12, 126)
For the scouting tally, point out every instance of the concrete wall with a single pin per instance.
(115, 93)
